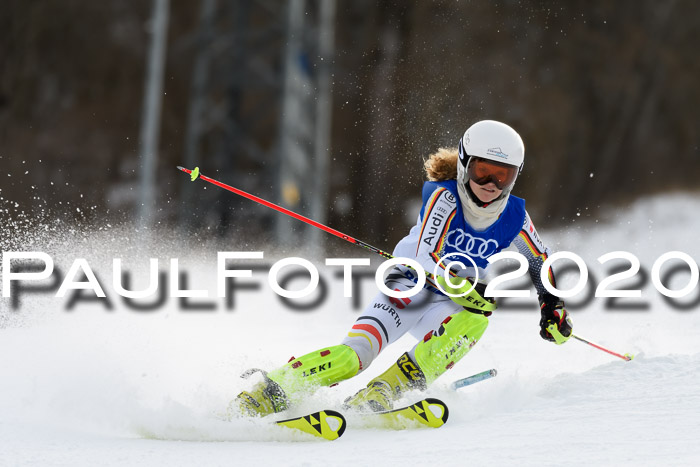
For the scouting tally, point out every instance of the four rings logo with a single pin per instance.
(473, 246)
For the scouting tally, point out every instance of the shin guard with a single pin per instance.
(441, 349)
(323, 367)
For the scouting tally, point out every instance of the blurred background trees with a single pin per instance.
(604, 94)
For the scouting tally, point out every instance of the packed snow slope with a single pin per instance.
(93, 386)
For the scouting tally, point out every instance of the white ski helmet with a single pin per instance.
(491, 140)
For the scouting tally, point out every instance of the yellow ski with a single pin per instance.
(428, 413)
(326, 424)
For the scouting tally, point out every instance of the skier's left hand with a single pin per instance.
(555, 324)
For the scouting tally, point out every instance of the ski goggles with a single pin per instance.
(483, 171)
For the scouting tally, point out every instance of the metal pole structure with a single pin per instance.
(200, 81)
(150, 123)
(321, 180)
(290, 155)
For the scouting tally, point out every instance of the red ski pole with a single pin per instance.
(194, 174)
(486, 305)
(626, 356)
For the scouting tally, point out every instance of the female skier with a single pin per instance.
(467, 209)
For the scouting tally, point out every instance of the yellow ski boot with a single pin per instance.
(265, 398)
(299, 377)
(382, 391)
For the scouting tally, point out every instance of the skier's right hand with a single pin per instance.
(471, 300)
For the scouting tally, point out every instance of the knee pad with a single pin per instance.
(441, 349)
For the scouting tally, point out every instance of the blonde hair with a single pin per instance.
(442, 165)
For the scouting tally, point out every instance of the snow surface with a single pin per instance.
(95, 387)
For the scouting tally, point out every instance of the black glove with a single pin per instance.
(555, 324)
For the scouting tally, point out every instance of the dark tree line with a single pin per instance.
(604, 94)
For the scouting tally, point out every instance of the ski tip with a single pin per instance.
(340, 423)
(440, 411)
(629, 357)
(460, 383)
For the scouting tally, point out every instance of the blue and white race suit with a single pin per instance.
(442, 229)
